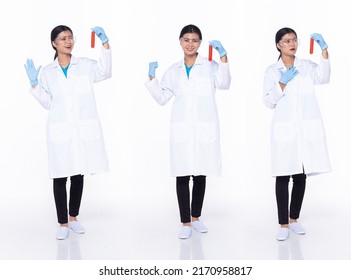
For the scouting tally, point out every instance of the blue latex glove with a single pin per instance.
(218, 46)
(319, 39)
(152, 69)
(32, 73)
(100, 33)
(288, 75)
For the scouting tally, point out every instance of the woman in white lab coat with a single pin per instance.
(74, 136)
(195, 145)
(298, 143)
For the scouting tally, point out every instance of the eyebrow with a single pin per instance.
(290, 38)
(191, 38)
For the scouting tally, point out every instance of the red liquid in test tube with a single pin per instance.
(210, 48)
(92, 39)
(311, 45)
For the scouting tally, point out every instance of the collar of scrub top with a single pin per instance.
(55, 63)
(280, 65)
(198, 61)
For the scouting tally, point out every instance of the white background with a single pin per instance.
(133, 208)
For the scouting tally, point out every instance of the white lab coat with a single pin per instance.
(194, 129)
(298, 142)
(74, 135)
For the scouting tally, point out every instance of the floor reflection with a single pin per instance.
(69, 249)
(290, 249)
(191, 248)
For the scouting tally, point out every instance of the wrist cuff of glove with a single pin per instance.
(104, 41)
(283, 82)
(324, 47)
(34, 82)
(223, 53)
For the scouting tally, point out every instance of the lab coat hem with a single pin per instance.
(197, 174)
(70, 174)
(308, 174)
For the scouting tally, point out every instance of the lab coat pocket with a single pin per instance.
(179, 133)
(313, 130)
(59, 133)
(204, 87)
(284, 132)
(207, 133)
(89, 130)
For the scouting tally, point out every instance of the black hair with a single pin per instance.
(56, 31)
(190, 29)
(279, 35)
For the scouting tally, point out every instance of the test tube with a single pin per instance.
(311, 45)
(92, 39)
(210, 48)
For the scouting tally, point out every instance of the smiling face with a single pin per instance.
(288, 44)
(190, 43)
(64, 43)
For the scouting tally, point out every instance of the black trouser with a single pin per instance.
(183, 194)
(75, 197)
(282, 195)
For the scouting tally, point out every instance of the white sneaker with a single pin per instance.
(199, 226)
(185, 232)
(62, 233)
(76, 227)
(283, 234)
(297, 228)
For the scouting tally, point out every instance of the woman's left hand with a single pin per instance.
(99, 31)
(319, 39)
(218, 46)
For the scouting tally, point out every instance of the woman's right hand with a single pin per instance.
(32, 73)
(152, 69)
(288, 75)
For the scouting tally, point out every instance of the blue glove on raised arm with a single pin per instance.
(319, 39)
(288, 75)
(152, 69)
(100, 33)
(218, 46)
(32, 73)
